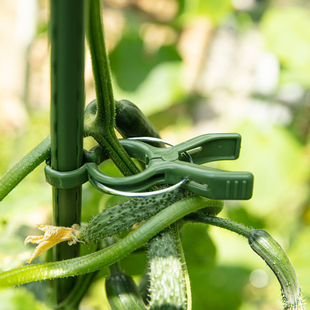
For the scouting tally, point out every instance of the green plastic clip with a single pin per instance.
(171, 166)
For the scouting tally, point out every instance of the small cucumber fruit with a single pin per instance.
(167, 280)
(123, 293)
(124, 215)
(274, 256)
(131, 122)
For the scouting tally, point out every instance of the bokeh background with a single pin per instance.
(194, 67)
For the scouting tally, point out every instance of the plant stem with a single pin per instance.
(22, 168)
(220, 222)
(101, 126)
(100, 65)
(77, 293)
(42, 151)
(112, 254)
(269, 250)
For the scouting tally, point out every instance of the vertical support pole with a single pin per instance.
(67, 35)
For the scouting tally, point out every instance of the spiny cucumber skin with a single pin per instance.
(274, 256)
(163, 245)
(124, 215)
(167, 281)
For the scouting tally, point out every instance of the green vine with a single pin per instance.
(158, 212)
(99, 122)
(26, 165)
(110, 255)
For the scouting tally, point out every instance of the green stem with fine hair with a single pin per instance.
(110, 255)
(73, 300)
(100, 125)
(22, 168)
(269, 250)
(219, 222)
(42, 151)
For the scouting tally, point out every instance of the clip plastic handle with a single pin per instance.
(211, 147)
(224, 185)
(169, 166)
(163, 166)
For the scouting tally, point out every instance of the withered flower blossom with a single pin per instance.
(52, 236)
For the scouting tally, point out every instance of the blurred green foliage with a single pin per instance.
(216, 11)
(219, 262)
(20, 299)
(287, 34)
(137, 68)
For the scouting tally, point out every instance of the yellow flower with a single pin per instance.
(52, 236)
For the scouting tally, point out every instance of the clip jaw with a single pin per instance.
(212, 147)
(179, 165)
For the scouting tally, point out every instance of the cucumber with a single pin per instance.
(124, 215)
(167, 279)
(123, 293)
(118, 218)
(274, 256)
(131, 122)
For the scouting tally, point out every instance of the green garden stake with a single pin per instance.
(67, 38)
